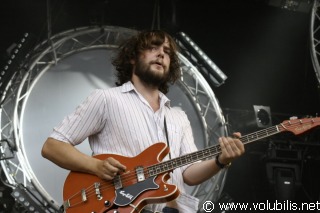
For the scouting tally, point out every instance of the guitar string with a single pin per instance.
(255, 136)
(245, 139)
(91, 190)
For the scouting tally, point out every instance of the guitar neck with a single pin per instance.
(264, 133)
(209, 152)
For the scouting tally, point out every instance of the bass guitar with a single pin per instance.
(144, 182)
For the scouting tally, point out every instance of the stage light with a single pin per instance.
(206, 66)
(248, 121)
(263, 116)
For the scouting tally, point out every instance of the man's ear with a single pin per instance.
(132, 61)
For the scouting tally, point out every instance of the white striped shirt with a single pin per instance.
(120, 121)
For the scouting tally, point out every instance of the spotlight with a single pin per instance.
(206, 66)
(263, 116)
(248, 121)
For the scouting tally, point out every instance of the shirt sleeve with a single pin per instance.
(87, 119)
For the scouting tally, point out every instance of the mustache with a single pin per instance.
(158, 62)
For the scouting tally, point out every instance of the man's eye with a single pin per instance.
(154, 48)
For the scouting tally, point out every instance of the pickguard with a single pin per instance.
(127, 195)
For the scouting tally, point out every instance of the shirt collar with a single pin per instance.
(128, 86)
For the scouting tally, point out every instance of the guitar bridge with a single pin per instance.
(83, 195)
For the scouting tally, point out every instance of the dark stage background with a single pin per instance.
(262, 48)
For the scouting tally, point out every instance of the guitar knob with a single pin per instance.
(293, 118)
(107, 203)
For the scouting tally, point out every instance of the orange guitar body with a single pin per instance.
(81, 195)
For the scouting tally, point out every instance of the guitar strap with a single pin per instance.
(166, 131)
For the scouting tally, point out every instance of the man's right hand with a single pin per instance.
(107, 169)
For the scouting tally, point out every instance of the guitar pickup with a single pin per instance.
(117, 182)
(97, 190)
(140, 173)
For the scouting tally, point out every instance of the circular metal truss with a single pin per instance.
(14, 162)
(315, 38)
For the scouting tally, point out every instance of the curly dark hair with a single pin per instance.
(131, 49)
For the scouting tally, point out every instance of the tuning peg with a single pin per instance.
(293, 118)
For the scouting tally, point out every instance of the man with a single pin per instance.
(127, 119)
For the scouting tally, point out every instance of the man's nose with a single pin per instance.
(161, 52)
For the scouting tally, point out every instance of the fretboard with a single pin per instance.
(207, 153)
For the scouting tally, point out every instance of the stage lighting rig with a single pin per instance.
(6, 151)
(16, 55)
(293, 5)
(206, 66)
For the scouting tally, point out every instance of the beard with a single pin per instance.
(150, 77)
